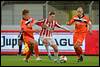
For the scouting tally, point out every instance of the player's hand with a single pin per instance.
(67, 30)
(44, 26)
(90, 31)
(50, 29)
(71, 31)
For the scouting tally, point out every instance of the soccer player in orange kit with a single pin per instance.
(81, 28)
(28, 38)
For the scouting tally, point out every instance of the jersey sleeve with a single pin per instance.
(71, 21)
(88, 20)
(33, 20)
(21, 22)
(57, 25)
(25, 29)
(40, 23)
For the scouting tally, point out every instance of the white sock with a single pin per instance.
(56, 56)
(48, 50)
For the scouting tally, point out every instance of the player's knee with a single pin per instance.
(45, 41)
(31, 47)
(19, 42)
(35, 43)
(77, 44)
(31, 44)
(56, 50)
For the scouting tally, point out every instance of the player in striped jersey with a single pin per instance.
(48, 26)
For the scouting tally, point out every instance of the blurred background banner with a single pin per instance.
(11, 11)
(64, 40)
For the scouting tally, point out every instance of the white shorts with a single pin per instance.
(49, 39)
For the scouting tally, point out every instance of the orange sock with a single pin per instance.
(36, 50)
(78, 51)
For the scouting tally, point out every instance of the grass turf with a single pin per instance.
(18, 61)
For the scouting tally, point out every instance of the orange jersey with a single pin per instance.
(27, 29)
(80, 23)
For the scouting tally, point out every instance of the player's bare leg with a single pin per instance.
(46, 43)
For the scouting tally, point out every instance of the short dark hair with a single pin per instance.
(51, 13)
(25, 11)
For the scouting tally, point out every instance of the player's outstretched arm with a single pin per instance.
(39, 22)
(90, 27)
(66, 29)
(27, 22)
(59, 26)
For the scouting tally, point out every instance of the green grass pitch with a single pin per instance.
(18, 61)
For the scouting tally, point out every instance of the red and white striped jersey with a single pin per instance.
(46, 32)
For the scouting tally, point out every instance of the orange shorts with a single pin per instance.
(26, 48)
(28, 39)
(79, 37)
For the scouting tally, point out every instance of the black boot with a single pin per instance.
(80, 59)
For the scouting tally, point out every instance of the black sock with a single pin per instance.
(31, 47)
(20, 49)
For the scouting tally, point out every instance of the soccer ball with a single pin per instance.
(63, 59)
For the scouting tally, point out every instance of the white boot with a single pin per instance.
(38, 58)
